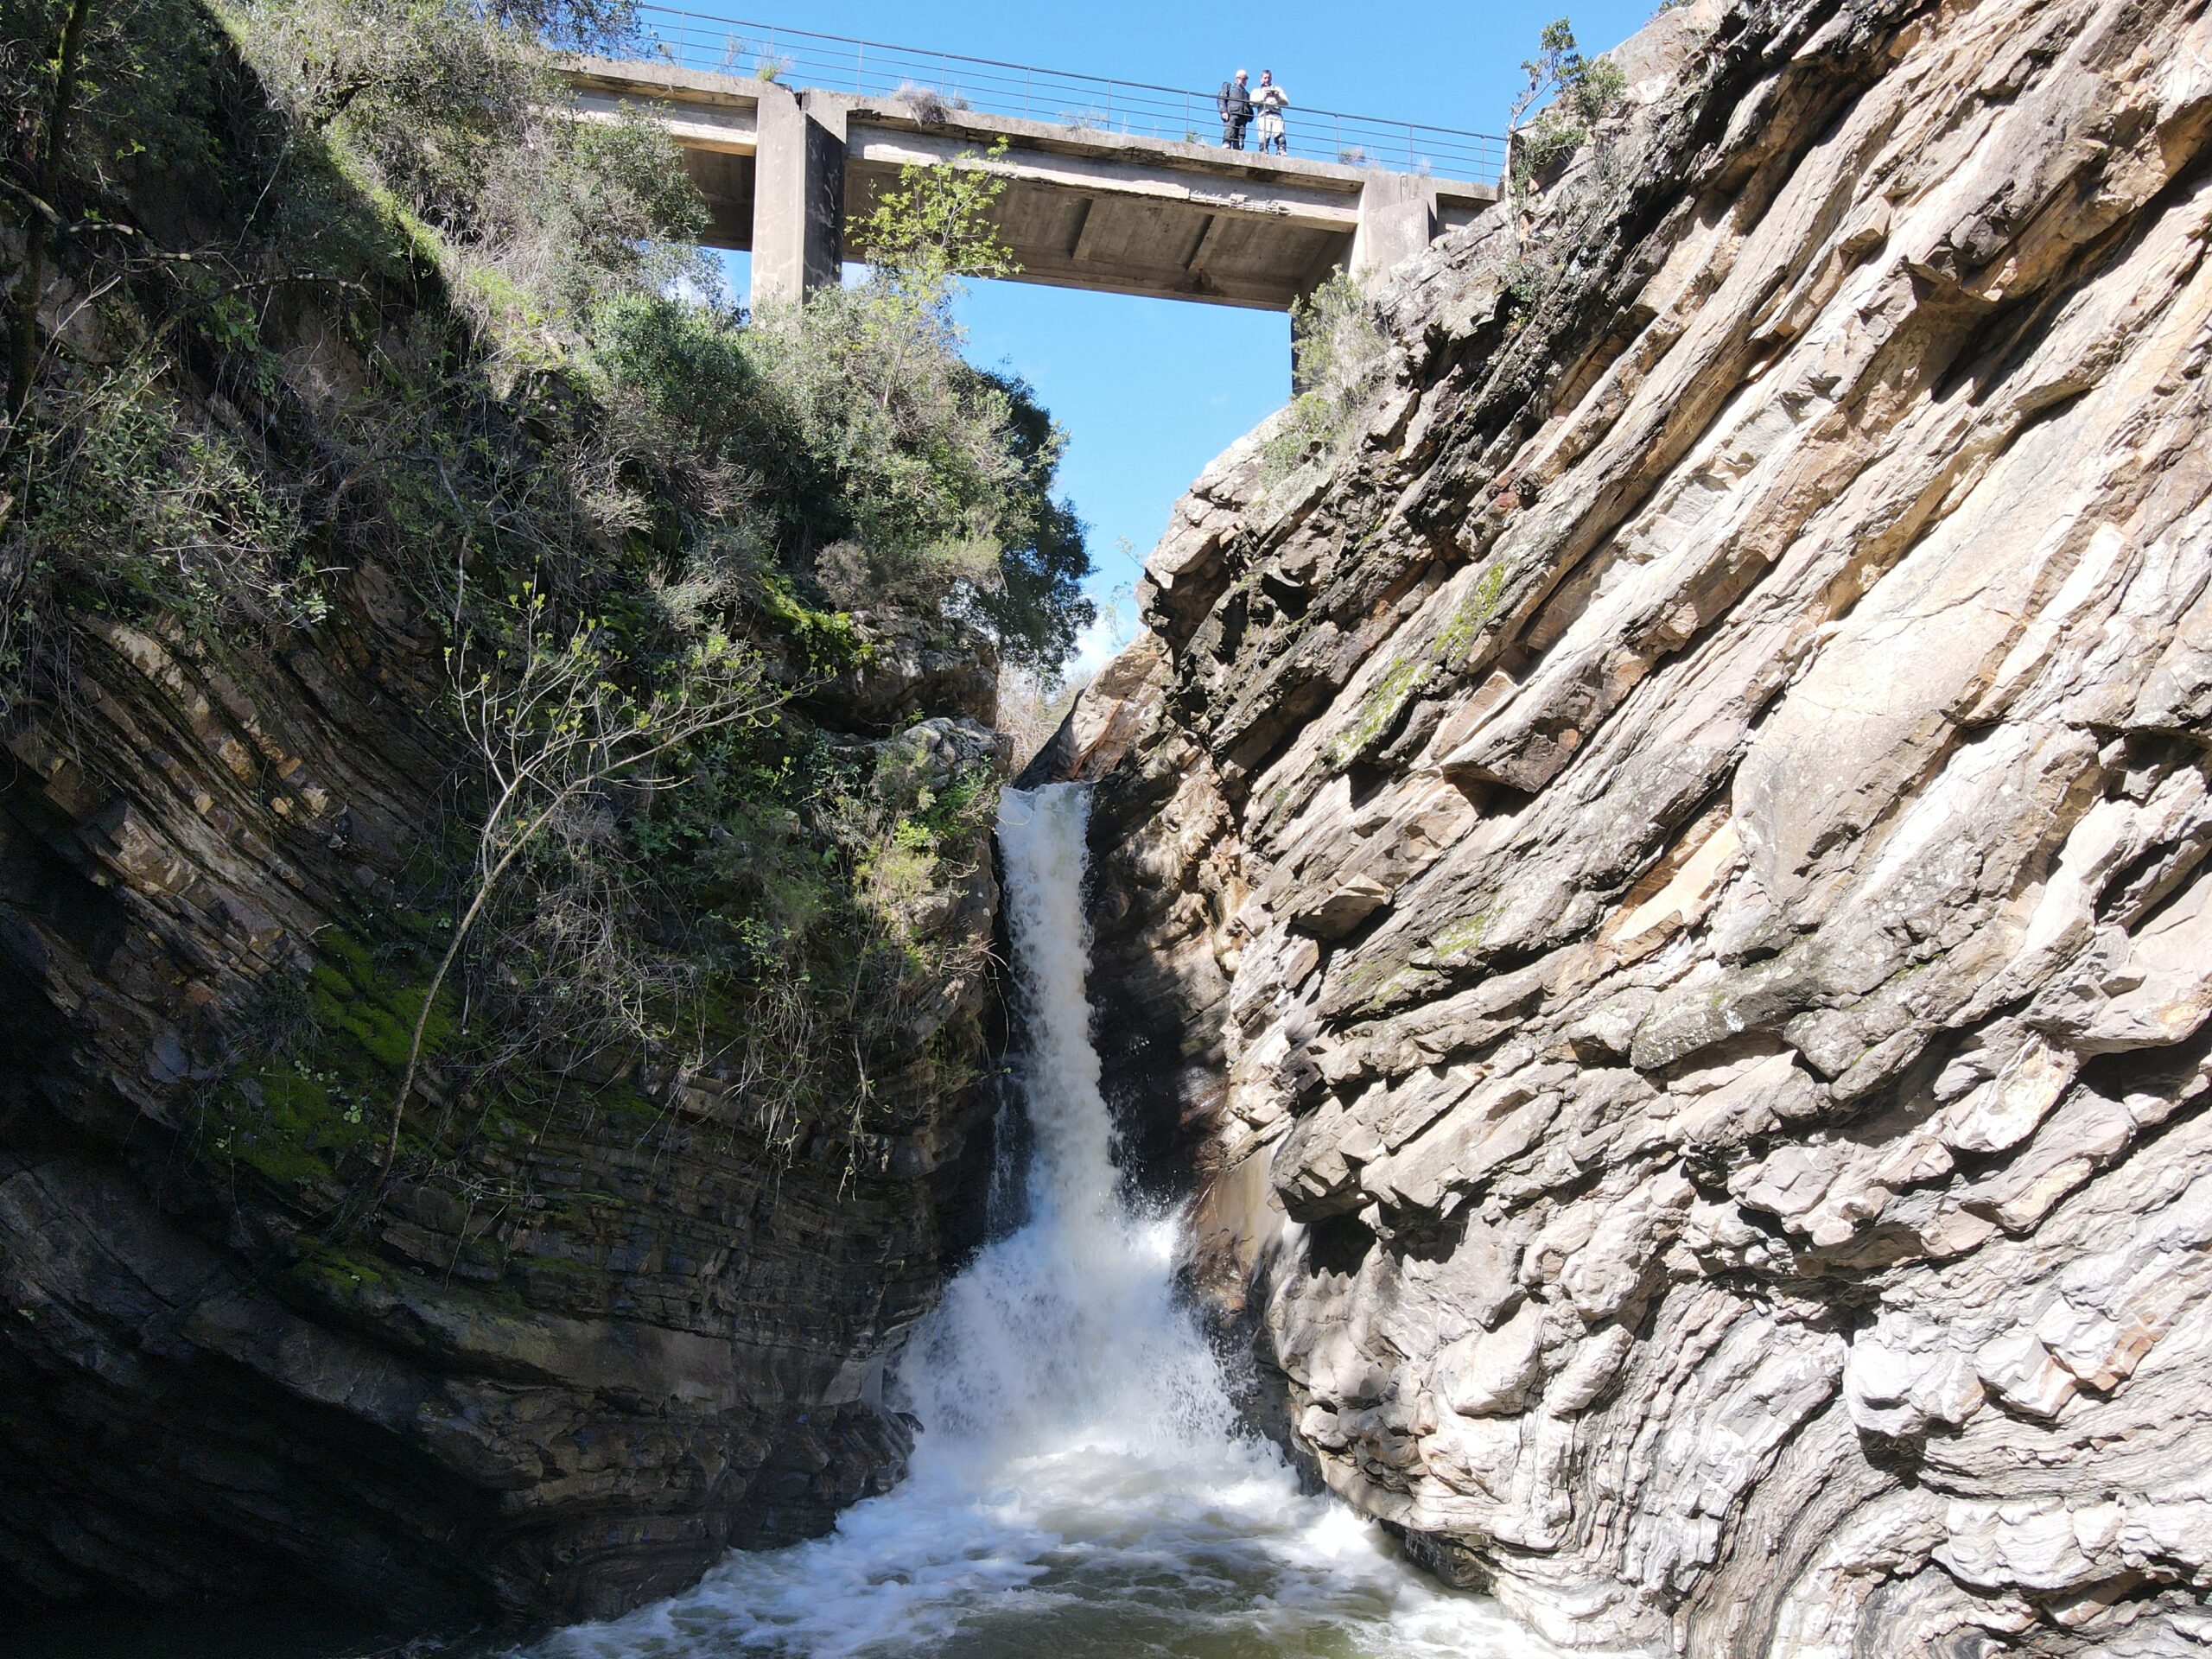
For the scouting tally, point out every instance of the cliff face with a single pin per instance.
(655, 1335)
(1676, 859)
(590, 1318)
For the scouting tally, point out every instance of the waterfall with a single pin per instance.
(1080, 1488)
(1065, 1332)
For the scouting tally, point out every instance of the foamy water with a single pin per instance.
(1081, 1488)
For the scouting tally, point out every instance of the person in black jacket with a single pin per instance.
(1235, 110)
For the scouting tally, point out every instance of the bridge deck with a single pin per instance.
(1086, 207)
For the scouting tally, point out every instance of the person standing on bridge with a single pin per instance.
(1271, 101)
(1235, 110)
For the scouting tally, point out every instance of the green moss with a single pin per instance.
(297, 1128)
(1367, 539)
(1466, 936)
(276, 1160)
(1408, 674)
(1468, 621)
(549, 1265)
(291, 1125)
(1369, 986)
(623, 1105)
(1404, 677)
(372, 1016)
(827, 639)
(340, 1273)
(294, 1121)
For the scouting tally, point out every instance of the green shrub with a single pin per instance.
(430, 326)
(143, 512)
(900, 479)
(463, 117)
(1339, 351)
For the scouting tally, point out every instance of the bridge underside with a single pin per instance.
(784, 173)
(1109, 241)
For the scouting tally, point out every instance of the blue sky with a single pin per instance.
(1150, 390)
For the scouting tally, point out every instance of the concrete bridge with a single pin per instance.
(1125, 201)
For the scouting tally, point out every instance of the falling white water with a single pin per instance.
(1081, 1489)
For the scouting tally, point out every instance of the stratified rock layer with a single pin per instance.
(225, 1373)
(615, 1339)
(1683, 851)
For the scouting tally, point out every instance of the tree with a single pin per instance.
(907, 483)
(922, 235)
(935, 227)
(40, 218)
(1574, 93)
(1571, 94)
(1036, 608)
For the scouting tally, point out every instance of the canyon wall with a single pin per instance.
(605, 1345)
(546, 1336)
(1660, 877)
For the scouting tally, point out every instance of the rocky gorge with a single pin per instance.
(625, 1341)
(1647, 869)
(1656, 875)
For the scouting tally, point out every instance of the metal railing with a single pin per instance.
(836, 63)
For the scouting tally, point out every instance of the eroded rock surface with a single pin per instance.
(1683, 851)
(652, 1330)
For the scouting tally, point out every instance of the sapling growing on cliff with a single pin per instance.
(555, 727)
(1569, 95)
(1574, 93)
(935, 227)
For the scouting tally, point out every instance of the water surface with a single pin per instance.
(1081, 1488)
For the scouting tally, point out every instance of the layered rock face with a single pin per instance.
(1679, 858)
(226, 1371)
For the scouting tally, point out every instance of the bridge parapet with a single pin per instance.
(784, 167)
(807, 58)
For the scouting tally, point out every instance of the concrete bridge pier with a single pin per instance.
(798, 194)
(1398, 218)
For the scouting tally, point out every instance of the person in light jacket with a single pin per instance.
(1236, 110)
(1270, 100)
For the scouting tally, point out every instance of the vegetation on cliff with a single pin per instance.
(322, 307)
